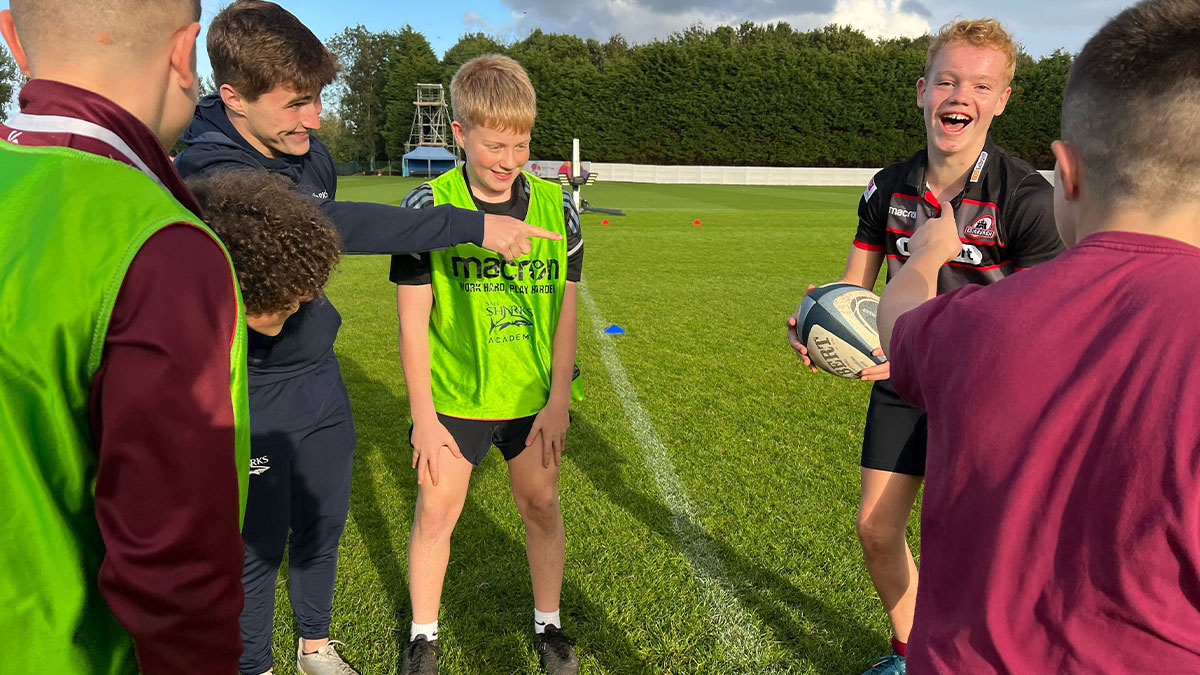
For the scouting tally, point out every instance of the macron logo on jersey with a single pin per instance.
(869, 191)
(13, 136)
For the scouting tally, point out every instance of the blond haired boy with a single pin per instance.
(1005, 222)
(488, 351)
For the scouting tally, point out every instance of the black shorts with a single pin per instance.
(894, 438)
(476, 437)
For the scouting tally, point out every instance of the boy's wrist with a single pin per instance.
(558, 399)
(926, 261)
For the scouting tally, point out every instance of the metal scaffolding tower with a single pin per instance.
(431, 120)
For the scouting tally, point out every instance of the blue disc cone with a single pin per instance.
(614, 330)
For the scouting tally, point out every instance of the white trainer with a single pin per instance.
(325, 661)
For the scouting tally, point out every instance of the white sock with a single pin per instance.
(429, 630)
(543, 619)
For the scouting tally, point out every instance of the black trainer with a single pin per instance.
(420, 657)
(556, 652)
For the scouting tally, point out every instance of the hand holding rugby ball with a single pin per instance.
(836, 323)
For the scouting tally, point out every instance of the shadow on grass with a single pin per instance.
(771, 597)
(487, 584)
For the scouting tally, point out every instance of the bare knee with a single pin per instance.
(435, 519)
(878, 536)
(540, 509)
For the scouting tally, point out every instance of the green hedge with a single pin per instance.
(754, 95)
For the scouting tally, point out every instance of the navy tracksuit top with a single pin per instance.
(307, 337)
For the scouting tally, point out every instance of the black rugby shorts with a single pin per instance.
(476, 437)
(894, 437)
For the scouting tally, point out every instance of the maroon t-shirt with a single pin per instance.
(166, 485)
(1060, 526)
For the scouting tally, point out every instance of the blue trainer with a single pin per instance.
(892, 664)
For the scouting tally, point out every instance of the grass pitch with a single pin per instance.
(731, 549)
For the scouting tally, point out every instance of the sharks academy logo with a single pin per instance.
(503, 317)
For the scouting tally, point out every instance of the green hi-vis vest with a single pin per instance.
(70, 225)
(491, 331)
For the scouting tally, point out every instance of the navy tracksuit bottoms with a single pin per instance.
(302, 452)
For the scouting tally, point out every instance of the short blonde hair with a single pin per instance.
(986, 33)
(493, 91)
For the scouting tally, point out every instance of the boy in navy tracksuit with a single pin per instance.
(271, 69)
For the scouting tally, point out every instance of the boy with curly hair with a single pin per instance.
(283, 248)
(488, 350)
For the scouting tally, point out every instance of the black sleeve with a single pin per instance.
(366, 227)
(872, 218)
(412, 269)
(574, 238)
(1033, 237)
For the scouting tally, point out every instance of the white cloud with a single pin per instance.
(472, 19)
(881, 18)
(1040, 26)
(644, 20)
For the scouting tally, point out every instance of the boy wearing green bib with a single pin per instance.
(488, 351)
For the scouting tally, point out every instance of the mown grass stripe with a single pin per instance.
(737, 631)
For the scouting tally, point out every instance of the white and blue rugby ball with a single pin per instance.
(836, 322)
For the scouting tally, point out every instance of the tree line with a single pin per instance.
(752, 95)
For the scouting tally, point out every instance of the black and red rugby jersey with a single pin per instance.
(1005, 217)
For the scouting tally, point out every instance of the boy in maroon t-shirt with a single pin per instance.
(1061, 518)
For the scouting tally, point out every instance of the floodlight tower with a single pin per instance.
(431, 120)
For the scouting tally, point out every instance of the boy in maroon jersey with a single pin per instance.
(1061, 513)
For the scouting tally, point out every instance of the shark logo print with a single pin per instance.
(504, 317)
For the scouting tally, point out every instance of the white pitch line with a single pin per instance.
(737, 631)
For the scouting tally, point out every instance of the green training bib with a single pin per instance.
(491, 330)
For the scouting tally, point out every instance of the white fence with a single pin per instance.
(725, 175)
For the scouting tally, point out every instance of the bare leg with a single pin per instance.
(883, 512)
(535, 490)
(438, 508)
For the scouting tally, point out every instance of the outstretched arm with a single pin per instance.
(368, 228)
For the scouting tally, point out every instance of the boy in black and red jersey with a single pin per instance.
(1005, 216)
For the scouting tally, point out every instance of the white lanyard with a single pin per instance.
(57, 124)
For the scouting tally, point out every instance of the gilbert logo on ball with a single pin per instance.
(836, 322)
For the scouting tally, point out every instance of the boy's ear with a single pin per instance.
(921, 92)
(1069, 174)
(457, 129)
(232, 99)
(183, 56)
(9, 30)
(1003, 102)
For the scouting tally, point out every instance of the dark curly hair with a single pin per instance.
(282, 246)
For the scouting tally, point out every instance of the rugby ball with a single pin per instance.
(836, 322)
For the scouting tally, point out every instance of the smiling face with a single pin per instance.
(965, 88)
(494, 159)
(278, 122)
